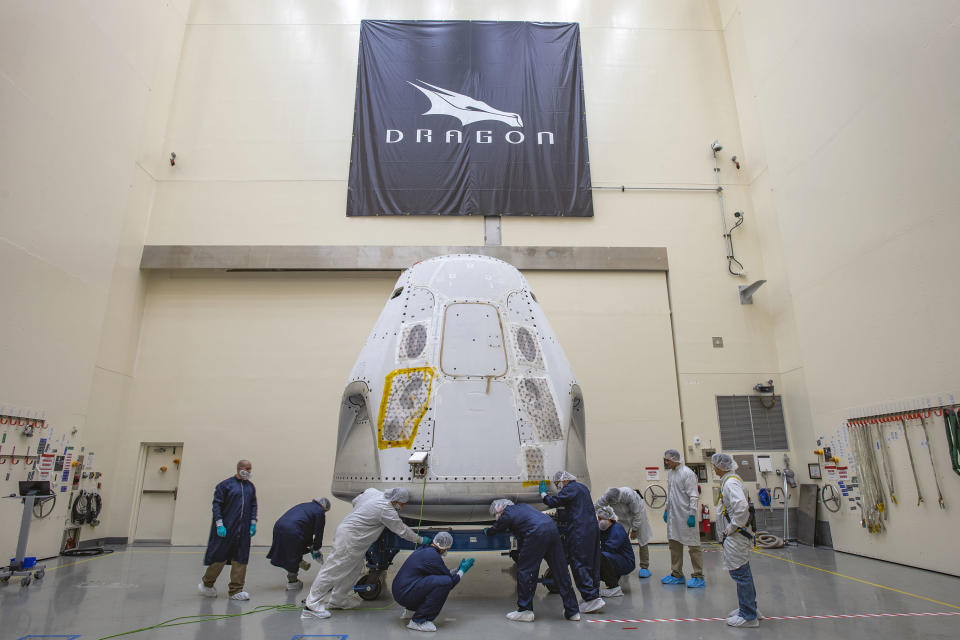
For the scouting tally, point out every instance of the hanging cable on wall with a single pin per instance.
(727, 235)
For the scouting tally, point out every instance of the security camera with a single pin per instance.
(764, 388)
(716, 146)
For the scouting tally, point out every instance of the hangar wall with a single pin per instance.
(850, 141)
(261, 123)
(85, 91)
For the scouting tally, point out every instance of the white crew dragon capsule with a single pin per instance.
(461, 394)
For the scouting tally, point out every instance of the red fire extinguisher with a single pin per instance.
(705, 519)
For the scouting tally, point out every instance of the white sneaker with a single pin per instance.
(319, 613)
(295, 586)
(736, 612)
(406, 615)
(210, 592)
(574, 618)
(592, 605)
(616, 592)
(426, 625)
(520, 616)
(738, 621)
(242, 595)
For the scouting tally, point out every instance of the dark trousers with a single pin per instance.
(608, 573)
(746, 591)
(584, 563)
(534, 551)
(238, 574)
(426, 597)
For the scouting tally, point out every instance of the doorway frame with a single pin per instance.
(138, 486)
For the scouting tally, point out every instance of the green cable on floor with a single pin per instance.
(175, 622)
(214, 617)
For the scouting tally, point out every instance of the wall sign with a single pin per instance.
(469, 118)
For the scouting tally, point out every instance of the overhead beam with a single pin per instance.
(393, 258)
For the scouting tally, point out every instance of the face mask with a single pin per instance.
(244, 474)
(604, 525)
(396, 505)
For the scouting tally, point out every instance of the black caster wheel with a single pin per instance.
(547, 580)
(38, 575)
(374, 584)
(25, 582)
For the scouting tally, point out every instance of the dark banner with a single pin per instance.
(460, 118)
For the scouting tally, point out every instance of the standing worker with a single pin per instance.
(733, 516)
(537, 540)
(234, 523)
(683, 498)
(372, 511)
(616, 553)
(632, 516)
(297, 531)
(578, 518)
(424, 582)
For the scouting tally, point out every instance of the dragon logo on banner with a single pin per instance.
(513, 137)
(467, 110)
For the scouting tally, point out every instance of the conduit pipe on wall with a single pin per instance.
(727, 234)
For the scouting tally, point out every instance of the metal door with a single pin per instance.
(161, 475)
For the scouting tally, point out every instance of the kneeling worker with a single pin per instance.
(297, 531)
(372, 511)
(424, 582)
(616, 553)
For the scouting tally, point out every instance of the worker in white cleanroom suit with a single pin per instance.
(733, 517)
(372, 511)
(683, 500)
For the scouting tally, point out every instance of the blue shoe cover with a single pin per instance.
(670, 579)
(696, 583)
(643, 573)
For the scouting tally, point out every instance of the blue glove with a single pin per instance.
(664, 515)
(465, 564)
(221, 531)
(316, 555)
(487, 532)
(425, 540)
(253, 529)
(543, 487)
(691, 521)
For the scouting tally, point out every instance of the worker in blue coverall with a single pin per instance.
(537, 540)
(297, 531)
(234, 523)
(577, 516)
(616, 554)
(424, 582)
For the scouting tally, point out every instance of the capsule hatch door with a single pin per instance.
(475, 432)
(472, 341)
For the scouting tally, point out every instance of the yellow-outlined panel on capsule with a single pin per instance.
(415, 418)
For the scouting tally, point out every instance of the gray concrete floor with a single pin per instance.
(92, 598)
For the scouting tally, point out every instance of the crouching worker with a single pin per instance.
(424, 582)
(616, 554)
(372, 511)
(733, 514)
(297, 531)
